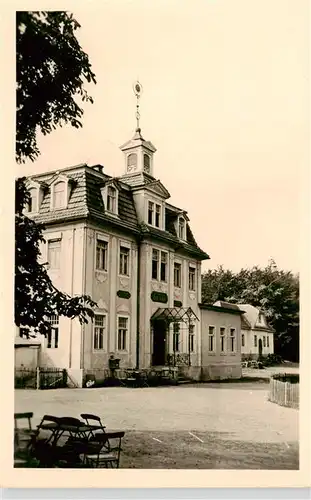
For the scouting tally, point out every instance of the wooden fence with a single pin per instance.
(284, 393)
(41, 378)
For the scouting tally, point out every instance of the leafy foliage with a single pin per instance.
(51, 69)
(274, 291)
(36, 297)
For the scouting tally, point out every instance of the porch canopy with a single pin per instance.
(174, 314)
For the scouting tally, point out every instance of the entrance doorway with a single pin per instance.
(159, 343)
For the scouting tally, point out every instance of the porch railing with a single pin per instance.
(178, 359)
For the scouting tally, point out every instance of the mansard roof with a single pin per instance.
(86, 202)
(252, 315)
(142, 180)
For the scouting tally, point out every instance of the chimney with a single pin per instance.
(98, 168)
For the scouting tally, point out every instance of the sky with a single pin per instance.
(225, 102)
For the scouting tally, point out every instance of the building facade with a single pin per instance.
(221, 341)
(120, 241)
(257, 336)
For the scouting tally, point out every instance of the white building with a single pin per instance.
(120, 241)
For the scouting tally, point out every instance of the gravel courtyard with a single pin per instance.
(214, 425)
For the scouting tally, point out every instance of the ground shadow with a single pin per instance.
(204, 450)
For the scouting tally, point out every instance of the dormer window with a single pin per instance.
(32, 205)
(260, 318)
(132, 162)
(154, 214)
(111, 199)
(59, 190)
(147, 163)
(36, 192)
(181, 228)
(110, 196)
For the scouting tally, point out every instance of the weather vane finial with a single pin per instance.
(137, 87)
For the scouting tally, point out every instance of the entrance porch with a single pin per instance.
(172, 346)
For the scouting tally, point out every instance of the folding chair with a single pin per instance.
(68, 454)
(48, 423)
(22, 434)
(90, 419)
(105, 451)
(23, 439)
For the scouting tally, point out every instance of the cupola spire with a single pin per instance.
(138, 89)
(138, 153)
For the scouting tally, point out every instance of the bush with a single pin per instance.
(272, 359)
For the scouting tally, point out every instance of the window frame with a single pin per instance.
(233, 346)
(49, 242)
(34, 209)
(133, 167)
(155, 251)
(261, 318)
(105, 331)
(268, 341)
(213, 350)
(125, 246)
(52, 339)
(32, 185)
(127, 333)
(62, 198)
(180, 274)
(193, 276)
(154, 213)
(23, 331)
(114, 197)
(182, 224)
(255, 340)
(159, 265)
(150, 215)
(165, 264)
(67, 182)
(147, 168)
(157, 215)
(100, 239)
(223, 348)
(104, 195)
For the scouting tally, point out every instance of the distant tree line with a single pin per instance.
(274, 291)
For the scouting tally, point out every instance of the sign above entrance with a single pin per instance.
(159, 297)
(177, 303)
(123, 294)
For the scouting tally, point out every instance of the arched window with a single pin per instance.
(59, 195)
(131, 162)
(147, 163)
(32, 205)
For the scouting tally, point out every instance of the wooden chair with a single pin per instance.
(105, 451)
